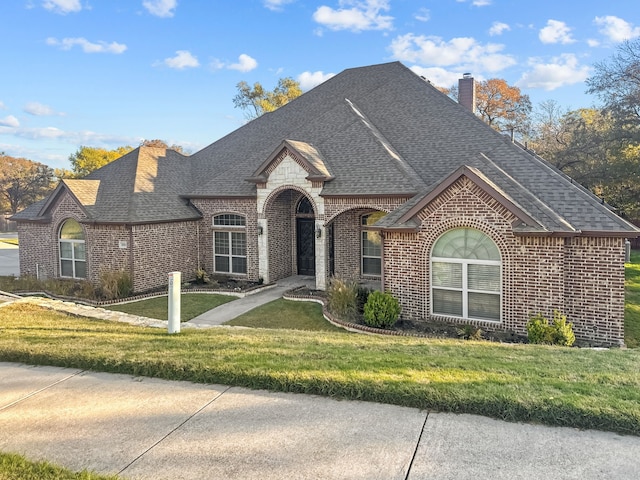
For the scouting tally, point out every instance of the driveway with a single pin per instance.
(9, 260)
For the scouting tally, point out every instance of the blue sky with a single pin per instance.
(107, 73)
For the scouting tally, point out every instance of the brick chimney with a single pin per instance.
(467, 92)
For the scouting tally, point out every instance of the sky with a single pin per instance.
(109, 73)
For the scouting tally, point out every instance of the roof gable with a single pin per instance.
(304, 154)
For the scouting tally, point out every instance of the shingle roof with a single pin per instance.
(377, 130)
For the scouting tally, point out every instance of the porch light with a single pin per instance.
(318, 232)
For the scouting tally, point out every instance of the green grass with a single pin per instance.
(552, 385)
(632, 302)
(16, 467)
(191, 305)
(286, 314)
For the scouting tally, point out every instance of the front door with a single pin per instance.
(306, 242)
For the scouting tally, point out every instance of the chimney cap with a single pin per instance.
(466, 75)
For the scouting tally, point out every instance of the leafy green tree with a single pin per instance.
(256, 101)
(23, 182)
(87, 159)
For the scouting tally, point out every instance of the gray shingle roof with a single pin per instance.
(377, 130)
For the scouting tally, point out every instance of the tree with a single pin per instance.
(88, 159)
(23, 182)
(617, 83)
(257, 101)
(503, 107)
(549, 133)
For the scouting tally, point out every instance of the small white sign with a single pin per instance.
(122, 243)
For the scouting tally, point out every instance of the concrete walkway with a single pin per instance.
(9, 261)
(231, 310)
(144, 428)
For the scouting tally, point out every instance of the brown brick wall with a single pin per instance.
(281, 235)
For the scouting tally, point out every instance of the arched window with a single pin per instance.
(465, 275)
(304, 207)
(371, 245)
(73, 263)
(229, 244)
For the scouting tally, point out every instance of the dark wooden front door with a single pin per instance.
(306, 242)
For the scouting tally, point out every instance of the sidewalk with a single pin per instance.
(144, 428)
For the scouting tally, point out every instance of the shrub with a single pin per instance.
(560, 332)
(115, 284)
(202, 276)
(381, 310)
(342, 298)
(362, 295)
(470, 332)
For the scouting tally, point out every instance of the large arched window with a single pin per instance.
(73, 263)
(229, 243)
(465, 275)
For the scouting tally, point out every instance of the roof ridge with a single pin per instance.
(412, 175)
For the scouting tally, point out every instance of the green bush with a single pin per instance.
(559, 332)
(362, 295)
(342, 298)
(115, 284)
(381, 310)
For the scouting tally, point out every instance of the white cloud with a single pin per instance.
(39, 110)
(616, 29)
(477, 3)
(10, 121)
(245, 64)
(556, 32)
(183, 59)
(438, 76)
(62, 6)
(355, 15)
(423, 15)
(592, 42)
(463, 52)
(276, 5)
(86, 45)
(2, 106)
(308, 80)
(161, 8)
(498, 28)
(563, 70)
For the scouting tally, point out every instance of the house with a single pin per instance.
(374, 174)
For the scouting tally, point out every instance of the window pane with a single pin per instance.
(238, 244)
(371, 266)
(222, 264)
(66, 250)
(71, 230)
(372, 218)
(466, 243)
(447, 274)
(228, 219)
(484, 305)
(79, 251)
(239, 264)
(221, 243)
(66, 268)
(484, 277)
(446, 302)
(371, 244)
(81, 270)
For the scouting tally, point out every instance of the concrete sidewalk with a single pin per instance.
(145, 428)
(9, 257)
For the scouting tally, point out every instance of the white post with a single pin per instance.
(174, 302)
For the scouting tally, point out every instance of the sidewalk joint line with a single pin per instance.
(174, 430)
(415, 451)
(33, 394)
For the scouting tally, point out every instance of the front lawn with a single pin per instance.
(191, 305)
(13, 466)
(553, 385)
(286, 314)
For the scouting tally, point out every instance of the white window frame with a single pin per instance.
(229, 224)
(465, 290)
(72, 243)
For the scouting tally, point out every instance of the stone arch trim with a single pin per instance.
(282, 188)
(358, 206)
